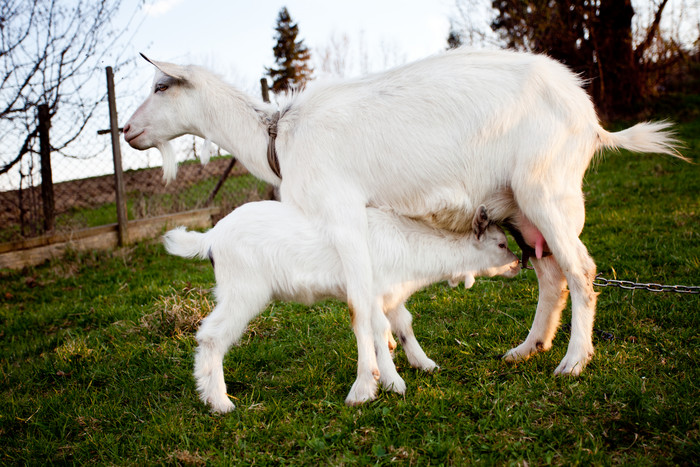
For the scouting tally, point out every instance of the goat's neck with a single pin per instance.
(238, 124)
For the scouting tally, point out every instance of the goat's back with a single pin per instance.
(450, 129)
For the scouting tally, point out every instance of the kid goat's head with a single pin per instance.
(488, 254)
(492, 245)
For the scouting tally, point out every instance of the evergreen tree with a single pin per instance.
(454, 38)
(292, 57)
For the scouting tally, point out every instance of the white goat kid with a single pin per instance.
(434, 140)
(269, 250)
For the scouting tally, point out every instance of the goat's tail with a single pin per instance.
(656, 137)
(181, 242)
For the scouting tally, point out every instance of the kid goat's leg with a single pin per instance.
(552, 300)
(389, 377)
(224, 326)
(400, 319)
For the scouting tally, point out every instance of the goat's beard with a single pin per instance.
(169, 161)
(207, 151)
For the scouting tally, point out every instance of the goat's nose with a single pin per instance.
(126, 129)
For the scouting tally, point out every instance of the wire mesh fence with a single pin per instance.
(83, 186)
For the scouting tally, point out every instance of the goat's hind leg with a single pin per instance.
(580, 275)
(552, 300)
(218, 331)
(560, 219)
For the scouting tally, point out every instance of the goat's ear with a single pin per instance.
(480, 222)
(174, 71)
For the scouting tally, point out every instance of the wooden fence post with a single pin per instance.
(47, 197)
(122, 220)
(265, 89)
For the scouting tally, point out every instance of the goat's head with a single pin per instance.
(168, 112)
(490, 255)
(161, 117)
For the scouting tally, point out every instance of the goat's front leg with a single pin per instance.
(340, 212)
(552, 300)
(347, 230)
(400, 319)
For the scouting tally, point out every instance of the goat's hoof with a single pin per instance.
(396, 384)
(221, 406)
(430, 366)
(424, 364)
(525, 351)
(573, 366)
(514, 356)
(361, 392)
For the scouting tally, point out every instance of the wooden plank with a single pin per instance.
(35, 242)
(36, 251)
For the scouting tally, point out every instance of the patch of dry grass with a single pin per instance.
(178, 313)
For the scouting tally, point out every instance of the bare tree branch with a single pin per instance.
(26, 147)
(50, 52)
(653, 29)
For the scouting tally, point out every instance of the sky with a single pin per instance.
(236, 37)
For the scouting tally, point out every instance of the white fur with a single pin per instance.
(433, 139)
(269, 250)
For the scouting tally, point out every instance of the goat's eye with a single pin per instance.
(501, 245)
(161, 87)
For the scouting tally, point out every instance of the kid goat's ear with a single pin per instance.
(480, 222)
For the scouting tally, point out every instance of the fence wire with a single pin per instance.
(84, 188)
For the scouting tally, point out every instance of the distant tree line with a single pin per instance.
(624, 67)
(595, 38)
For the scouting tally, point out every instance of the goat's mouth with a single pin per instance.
(131, 138)
(513, 270)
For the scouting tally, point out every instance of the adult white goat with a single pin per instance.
(270, 250)
(433, 139)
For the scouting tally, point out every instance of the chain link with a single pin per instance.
(651, 287)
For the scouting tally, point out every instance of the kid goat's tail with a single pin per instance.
(180, 242)
(654, 137)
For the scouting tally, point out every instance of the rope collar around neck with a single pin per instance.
(272, 159)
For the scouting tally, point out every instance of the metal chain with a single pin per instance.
(600, 281)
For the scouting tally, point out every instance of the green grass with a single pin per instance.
(235, 191)
(96, 354)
